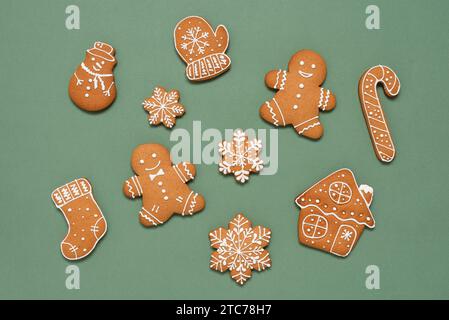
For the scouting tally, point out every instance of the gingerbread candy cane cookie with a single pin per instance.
(372, 109)
(84, 218)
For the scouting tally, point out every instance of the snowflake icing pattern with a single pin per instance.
(163, 107)
(240, 156)
(195, 39)
(346, 235)
(240, 249)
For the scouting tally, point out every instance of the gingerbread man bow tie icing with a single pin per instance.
(334, 213)
(92, 86)
(202, 48)
(159, 173)
(161, 185)
(300, 97)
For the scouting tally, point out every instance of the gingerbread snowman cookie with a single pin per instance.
(300, 96)
(161, 185)
(92, 85)
(202, 48)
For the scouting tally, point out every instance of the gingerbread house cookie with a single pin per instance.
(334, 213)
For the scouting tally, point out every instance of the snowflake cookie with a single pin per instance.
(240, 157)
(163, 107)
(240, 249)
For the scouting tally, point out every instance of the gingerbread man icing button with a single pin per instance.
(300, 97)
(202, 48)
(92, 85)
(162, 185)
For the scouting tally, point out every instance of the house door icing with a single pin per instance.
(344, 240)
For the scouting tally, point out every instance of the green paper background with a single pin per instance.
(46, 141)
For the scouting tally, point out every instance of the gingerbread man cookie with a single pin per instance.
(84, 218)
(300, 97)
(202, 48)
(161, 185)
(163, 107)
(334, 213)
(92, 86)
(372, 110)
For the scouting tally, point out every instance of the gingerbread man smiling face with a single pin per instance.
(300, 97)
(161, 185)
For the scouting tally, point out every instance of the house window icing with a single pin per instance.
(340, 192)
(314, 226)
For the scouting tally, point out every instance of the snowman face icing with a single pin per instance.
(149, 158)
(308, 66)
(98, 64)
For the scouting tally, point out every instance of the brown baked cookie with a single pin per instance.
(202, 48)
(240, 156)
(334, 213)
(163, 107)
(161, 185)
(92, 85)
(372, 110)
(300, 97)
(84, 218)
(240, 249)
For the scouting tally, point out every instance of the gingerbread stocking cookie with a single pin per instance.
(202, 48)
(84, 218)
(161, 185)
(92, 86)
(300, 97)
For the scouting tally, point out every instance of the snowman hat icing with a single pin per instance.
(103, 50)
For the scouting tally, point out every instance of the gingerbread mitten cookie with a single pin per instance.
(372, 110)
(240, 156)
(85, 220)
(202, 48)
(92, 86)
(334, 213)
(163, 107)
(161, 185)
(240, 249)
(300, 97)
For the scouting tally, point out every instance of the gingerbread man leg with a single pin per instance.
(311, 128)
(153, 215)
(189, 203)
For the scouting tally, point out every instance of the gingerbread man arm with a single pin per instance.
(276, 79)
(327, 101)
(185, 171)
(132, 187)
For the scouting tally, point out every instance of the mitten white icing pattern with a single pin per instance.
(202, 48)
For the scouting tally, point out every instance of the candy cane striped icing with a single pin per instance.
(372, 109)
